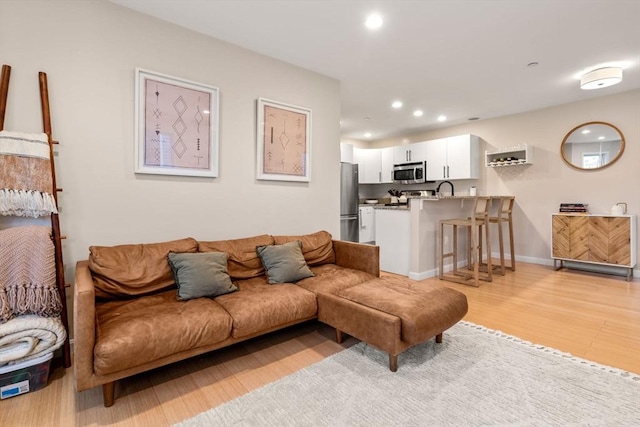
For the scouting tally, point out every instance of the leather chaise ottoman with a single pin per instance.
(392, 313)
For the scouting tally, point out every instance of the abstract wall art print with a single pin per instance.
(283, 141)
(176, 126)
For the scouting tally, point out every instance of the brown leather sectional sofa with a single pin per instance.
(127, 318)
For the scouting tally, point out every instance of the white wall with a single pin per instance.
(90, 50)
(541, 187)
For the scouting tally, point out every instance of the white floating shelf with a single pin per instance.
(509, 156)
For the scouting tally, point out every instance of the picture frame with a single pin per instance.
(176, 126)
(283, 145)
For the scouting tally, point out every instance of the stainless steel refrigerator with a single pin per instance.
(349, 224)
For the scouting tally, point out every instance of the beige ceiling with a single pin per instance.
(462, 59)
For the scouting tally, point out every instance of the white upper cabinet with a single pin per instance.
(410, 153)
(375, 165)
(437, 159)
(369, 165)
(346, 152)
(457, 157)
(386, 165)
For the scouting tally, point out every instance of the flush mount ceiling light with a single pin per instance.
(442, 118)
(601, 77)
(396, 104)
(418, 113)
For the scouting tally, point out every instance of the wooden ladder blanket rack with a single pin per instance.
(55, 222)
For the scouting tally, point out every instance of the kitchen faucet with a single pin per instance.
(443, 182)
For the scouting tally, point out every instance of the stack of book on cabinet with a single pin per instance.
(574, 207)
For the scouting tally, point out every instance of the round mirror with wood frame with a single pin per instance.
(592, 146)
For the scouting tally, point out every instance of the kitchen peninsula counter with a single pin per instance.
(409, 239)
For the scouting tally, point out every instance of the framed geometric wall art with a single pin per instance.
(176, 126)
(283, 141)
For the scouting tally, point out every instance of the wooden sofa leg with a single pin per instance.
(108, 393)
(393, 362)
(439, 338)
(338, 336)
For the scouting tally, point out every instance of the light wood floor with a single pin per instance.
(593, 316)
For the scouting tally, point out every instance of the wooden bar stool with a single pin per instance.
(503, 215)
(480, 216)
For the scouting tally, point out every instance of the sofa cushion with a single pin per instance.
(284, 263)
(133, 270)
(259, 307)
(134, 332)
(244, 262)
(317, 248)
(201, 274)
(331, 278)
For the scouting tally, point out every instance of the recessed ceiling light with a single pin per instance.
(396, 104)
(586, 131)
(205, 111)
(532, 64)
(373, 22)
(601, 137)
(442, 118)
(366, 118)
(473, 118)
(367, 135)
(418, 113)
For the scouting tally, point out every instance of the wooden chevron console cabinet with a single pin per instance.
(596, 239)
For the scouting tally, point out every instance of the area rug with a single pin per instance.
(475, 377)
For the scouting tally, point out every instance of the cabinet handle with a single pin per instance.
(447, 171)
(444, 171)
(409, 155)
(380, 176)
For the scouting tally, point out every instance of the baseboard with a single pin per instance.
(421, 275)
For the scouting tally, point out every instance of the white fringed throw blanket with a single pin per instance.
(26, 183)
(28, 337)
(28, 273)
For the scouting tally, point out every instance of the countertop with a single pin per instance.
(425, 198)
(403, 207)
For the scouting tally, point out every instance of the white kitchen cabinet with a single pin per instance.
(346, 152)
(393, 237)
(375, 165)
(367, 224)
(386, 165)
(456, 157)
(410, 153)
(369, 163)
(436, 159)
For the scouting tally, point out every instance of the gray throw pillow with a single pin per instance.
(284, 263)
(201, 274)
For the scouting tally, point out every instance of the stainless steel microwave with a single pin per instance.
(410, 173)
